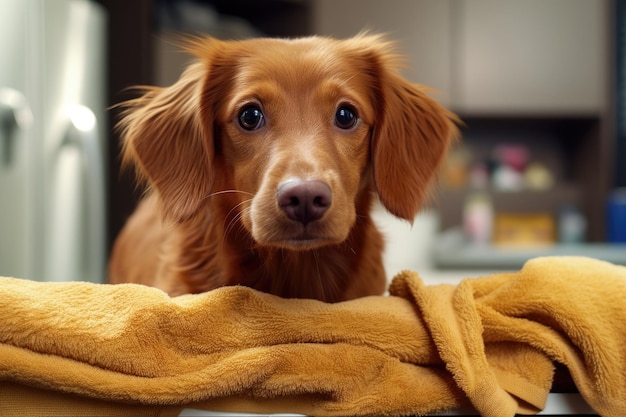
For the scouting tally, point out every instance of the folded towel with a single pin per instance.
(491, 342)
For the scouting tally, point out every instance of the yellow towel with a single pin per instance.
(491, 342)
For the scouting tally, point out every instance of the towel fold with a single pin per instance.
(491, 342)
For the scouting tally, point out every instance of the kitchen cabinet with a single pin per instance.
(491, 56)
(530, 57)
(539, 69)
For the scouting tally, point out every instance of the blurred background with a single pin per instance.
(539, 85)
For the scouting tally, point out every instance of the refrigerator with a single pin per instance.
(52, 114)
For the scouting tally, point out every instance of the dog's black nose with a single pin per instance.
(304, 201)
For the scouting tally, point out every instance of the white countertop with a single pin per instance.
(557, 405)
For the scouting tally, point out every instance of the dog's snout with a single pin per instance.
(304, 201)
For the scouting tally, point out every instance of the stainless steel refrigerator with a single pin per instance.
(52, 95)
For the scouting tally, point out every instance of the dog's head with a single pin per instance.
(294, 131)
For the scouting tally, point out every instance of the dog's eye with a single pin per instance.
(251, 118)
(345, 118)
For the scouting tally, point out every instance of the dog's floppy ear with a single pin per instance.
(168, 136)
(409, 140)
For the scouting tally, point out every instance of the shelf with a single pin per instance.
(524, 201)
(453, 251)
(570, 146)
(450, 202)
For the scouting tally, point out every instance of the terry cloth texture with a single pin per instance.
(493, 342)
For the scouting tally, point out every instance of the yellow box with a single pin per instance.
(524, 229)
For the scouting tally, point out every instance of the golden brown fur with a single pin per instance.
(212, 217)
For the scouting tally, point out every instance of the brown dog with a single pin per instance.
(263, 161)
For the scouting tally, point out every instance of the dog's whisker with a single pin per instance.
(216, 193)
(320, 284)
(234, 220)
(236, 206)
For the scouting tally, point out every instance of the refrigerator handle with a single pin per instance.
(14, 115)
(77, 248)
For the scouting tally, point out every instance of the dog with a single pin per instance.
(263, 162)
